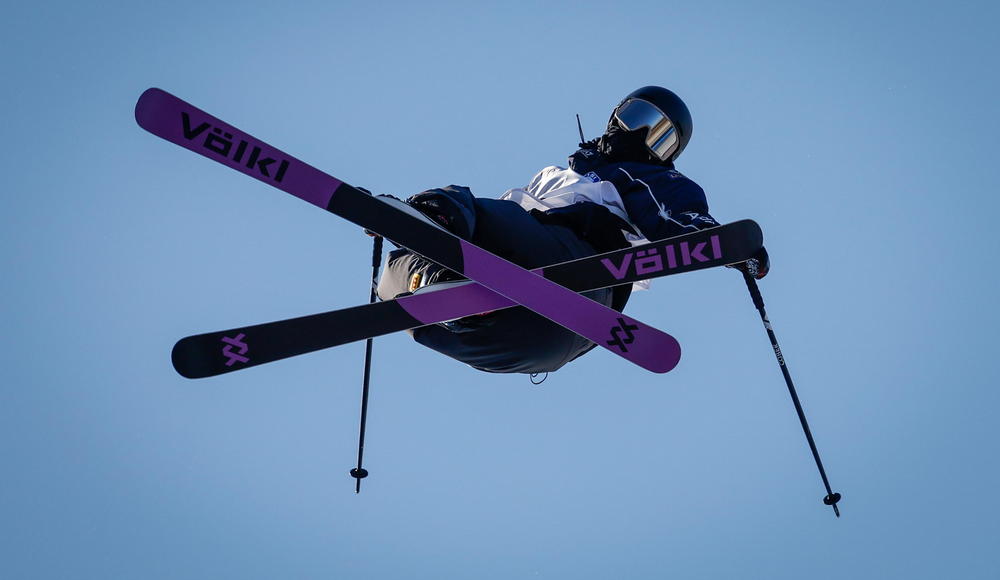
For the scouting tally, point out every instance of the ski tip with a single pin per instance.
(144, 107)
(664, 360)
(668, 363)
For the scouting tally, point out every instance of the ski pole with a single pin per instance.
(359, 473)
(831, 498)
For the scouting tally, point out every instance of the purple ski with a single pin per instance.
(176, 121)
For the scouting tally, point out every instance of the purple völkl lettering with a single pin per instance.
(649, 261)
(686, 253)
(618, 272)
(716, 248)
(671, 256)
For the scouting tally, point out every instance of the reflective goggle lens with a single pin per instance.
(662, 137)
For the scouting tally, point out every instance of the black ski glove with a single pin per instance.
(452, 207)
(758, 266)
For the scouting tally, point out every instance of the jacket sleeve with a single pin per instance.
(663, 203)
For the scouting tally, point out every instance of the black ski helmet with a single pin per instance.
(662, 113)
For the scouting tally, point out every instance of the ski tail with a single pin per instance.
(215, 353)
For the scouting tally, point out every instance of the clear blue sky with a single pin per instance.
(861, 136)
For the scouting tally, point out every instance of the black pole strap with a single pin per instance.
(359, 473)
(831, 498)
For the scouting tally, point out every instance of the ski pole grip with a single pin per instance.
(758, 300)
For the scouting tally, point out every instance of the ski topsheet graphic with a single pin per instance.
(215, 353)
(181, 123)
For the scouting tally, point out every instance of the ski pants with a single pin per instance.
(513, 340)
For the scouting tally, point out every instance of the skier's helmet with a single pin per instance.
(660, 111)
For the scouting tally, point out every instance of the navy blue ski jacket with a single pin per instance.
(660, 201)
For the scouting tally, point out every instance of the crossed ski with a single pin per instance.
(181, 123)
(205, 355)
(168, 117)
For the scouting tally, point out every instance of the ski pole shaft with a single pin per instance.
(831, 498)
(359, 472)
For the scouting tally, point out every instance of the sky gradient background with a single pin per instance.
(861, 136)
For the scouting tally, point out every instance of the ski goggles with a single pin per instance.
(661, 139)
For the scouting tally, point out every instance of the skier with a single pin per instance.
(619, 189)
